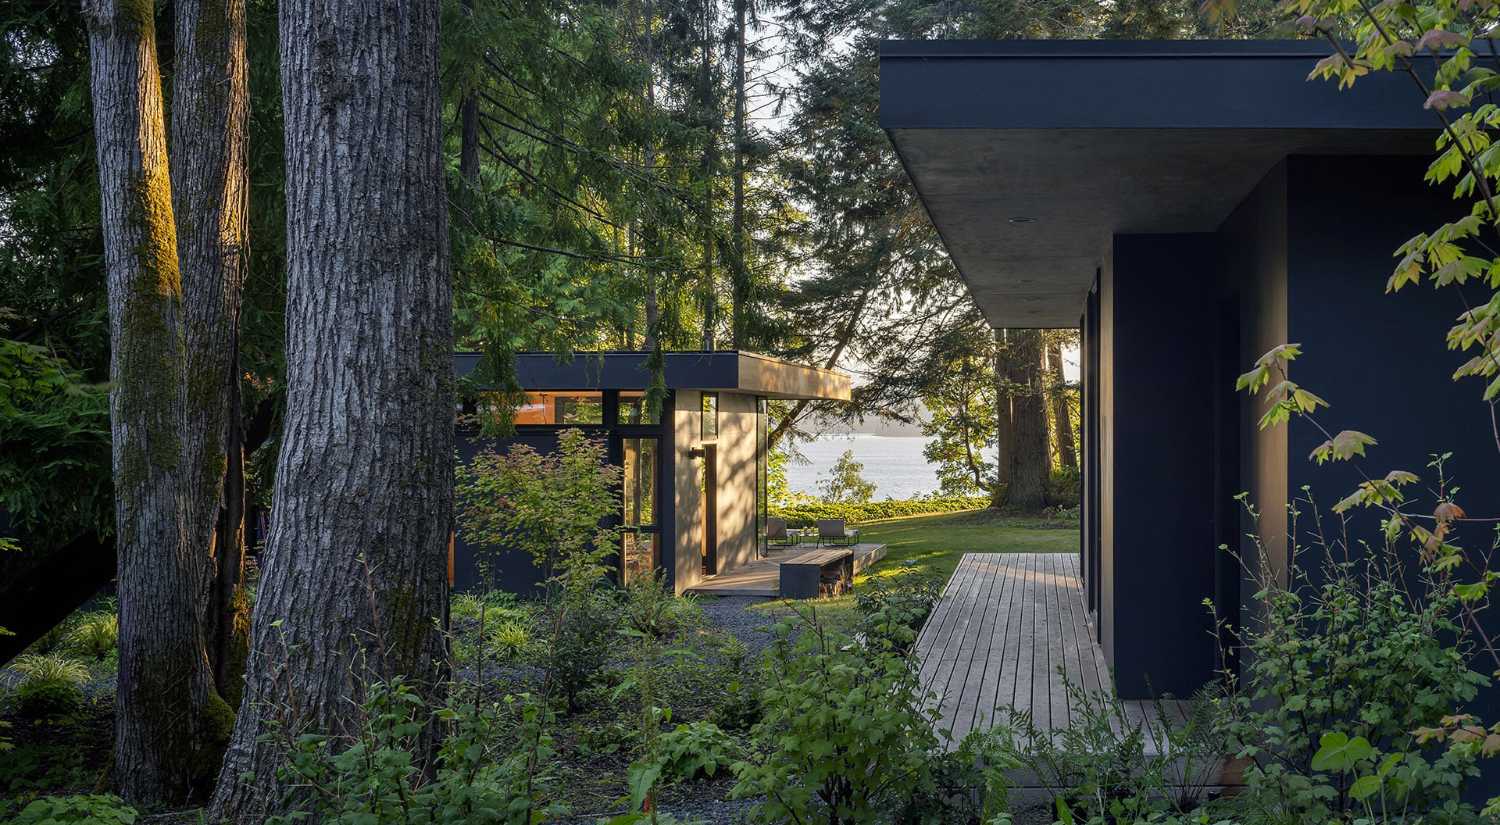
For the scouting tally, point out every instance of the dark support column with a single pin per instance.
(1164, 313)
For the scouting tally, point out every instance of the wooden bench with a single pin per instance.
(809, 575)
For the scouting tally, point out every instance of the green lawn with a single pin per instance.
(935, 543)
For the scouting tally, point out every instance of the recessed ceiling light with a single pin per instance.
(1020, 219)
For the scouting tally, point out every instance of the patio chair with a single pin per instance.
(776, 534)
(833, 531)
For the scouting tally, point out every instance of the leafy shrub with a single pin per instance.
(846, 736)
(96, 809)
(894, 605)
(807, 513)
(968, 784)
(581, 639)
(493, 766)
(695, 749)
(51, 684)
(737, 688)
(95, 635)
(650, 607)
(1348, 653)
(550, 506)
(1063, 487)
(1099, 767)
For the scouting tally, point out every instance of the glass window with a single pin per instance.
(640, 553)
(640, 482)
(762, 470)
(561, 408)
(710, 416)
(635, 410)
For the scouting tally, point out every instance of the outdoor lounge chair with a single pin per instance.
(776, 534)
(833, 531)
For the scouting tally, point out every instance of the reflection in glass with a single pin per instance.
(635, 410)
(710, 416)
(640, 482)
(639, 550)
(561, 408)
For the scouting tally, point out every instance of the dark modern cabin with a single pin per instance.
(693, 501)
(1190, 205)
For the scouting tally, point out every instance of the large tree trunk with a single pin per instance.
(739, 276)
(210, 199)
(1005, 429)
(710, 117)
(1061, 419)
(166, 710)
(1027, 491)
(355, 565)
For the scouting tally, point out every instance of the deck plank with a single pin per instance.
(1004, 627)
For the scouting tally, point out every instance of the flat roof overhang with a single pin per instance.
(722, 371)
(1082, 140)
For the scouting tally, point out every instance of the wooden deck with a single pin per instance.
(762, 577)
(1005, 625)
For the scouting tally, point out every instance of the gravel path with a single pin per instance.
(733, 615)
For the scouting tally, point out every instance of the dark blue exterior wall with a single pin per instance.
(1163, 559)
(1380, 360)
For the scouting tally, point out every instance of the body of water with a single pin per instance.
(894, 463)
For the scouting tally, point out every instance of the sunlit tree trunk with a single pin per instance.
(167, 715)
(354, 572)
(210, 199)
(1005, 430)
(1027, 490)
(1062, 420)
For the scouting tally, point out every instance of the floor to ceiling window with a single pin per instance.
(640, 537)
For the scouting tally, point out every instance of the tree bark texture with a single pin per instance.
(1005, 430)
(739, 276)
(1027, 491)
(210, 199)
(167, 713)
(354, 571)
(1062, 420)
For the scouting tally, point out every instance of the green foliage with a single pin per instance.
(1101, 767)
(1344, 671)
(493, 765)
(54, 446)
(893, 606)
(845, 736)
(95, 635)
(844, 482)
(968, 784)
(695, 749)
(51, 684)
(650, 607)
(963, 425)
(807, 514)
(581, 640)
(95, 809)
(551, 506)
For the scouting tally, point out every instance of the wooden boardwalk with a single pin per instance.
(1004, 627)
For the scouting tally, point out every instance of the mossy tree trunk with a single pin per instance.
(354, 570)
(1027, 491)
(210, 198)
(167, 713)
